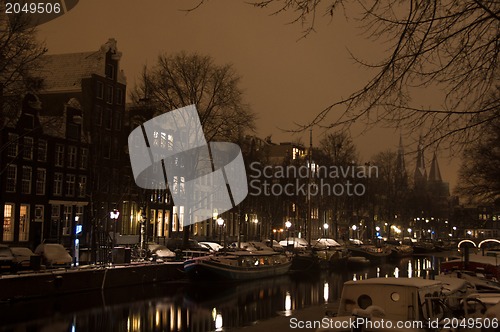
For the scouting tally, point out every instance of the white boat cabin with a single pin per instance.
(389, 299)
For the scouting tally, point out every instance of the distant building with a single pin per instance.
(279, 153)
(430, 200)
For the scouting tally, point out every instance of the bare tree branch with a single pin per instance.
(182, 79)
(447, 48)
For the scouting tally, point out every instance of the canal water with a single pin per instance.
(186, 306)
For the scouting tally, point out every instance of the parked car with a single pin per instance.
(22, 257)
(176, 243)
(160, 251)
(6, 259)
(261, 246)
(275, 245)
(296, 242)
(212, 246)
(326, 242)
(54, 254)
(247, 246)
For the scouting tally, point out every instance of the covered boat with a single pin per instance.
(238, 265)
(378, 304)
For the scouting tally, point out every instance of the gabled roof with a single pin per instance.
(66, 71)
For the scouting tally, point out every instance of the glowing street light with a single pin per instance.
(325, 228)
(288, 224)
(220, 222)
(113, 215)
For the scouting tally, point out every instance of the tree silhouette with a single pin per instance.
(446, 47)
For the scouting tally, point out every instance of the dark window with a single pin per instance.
(119, 96)
(13, 145)
(109, 94)
(118, 120)
(116, 148)
(73, 131)
(84, 157)
(100, 90)
(28, 148)
(98, 115)
(106, 147)
(110, 71)
(108, 118)
(42, 150)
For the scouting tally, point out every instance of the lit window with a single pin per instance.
(8, 222)
(24, 222)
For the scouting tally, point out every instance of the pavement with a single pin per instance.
(289, 321)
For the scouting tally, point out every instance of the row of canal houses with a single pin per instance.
(64, 162)
(64, 156)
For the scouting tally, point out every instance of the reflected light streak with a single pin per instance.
(288, 304)
(179, 319)
(326, 292)
(218, 322)
(157, 318)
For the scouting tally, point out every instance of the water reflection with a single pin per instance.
(196, 306)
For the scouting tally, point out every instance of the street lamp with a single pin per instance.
(354, 228)
(220, 222)
(325, 229)
(288, 224)
(114, 216)
(76, 244)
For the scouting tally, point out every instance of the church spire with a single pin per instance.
(435, 174)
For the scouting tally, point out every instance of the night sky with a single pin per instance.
(286, 79)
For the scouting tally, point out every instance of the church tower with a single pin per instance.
(420, 176)
(435, 174)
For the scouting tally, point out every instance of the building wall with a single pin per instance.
(44, 176)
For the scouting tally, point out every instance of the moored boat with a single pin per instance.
(399, 250)
(371, 252)
(238, 265)
(379, 303)
(423, 247)
(489, 266)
